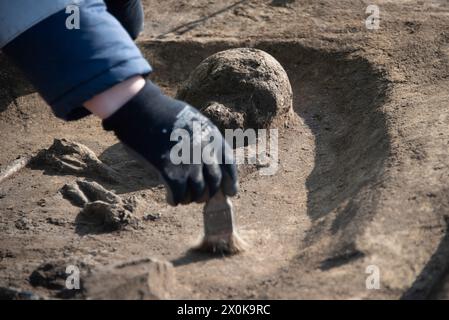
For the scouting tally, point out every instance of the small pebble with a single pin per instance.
(152, 216)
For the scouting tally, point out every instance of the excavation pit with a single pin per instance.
(332, 152)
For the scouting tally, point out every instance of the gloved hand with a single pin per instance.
(145, 125)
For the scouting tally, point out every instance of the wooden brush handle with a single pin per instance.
(218, 216)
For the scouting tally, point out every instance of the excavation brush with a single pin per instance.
(220, 235)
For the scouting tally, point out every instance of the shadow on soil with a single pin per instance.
(340, 98)
(138, 176)
(193, 256)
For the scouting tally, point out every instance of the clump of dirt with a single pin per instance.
(105, 216)
(102, 210)
(52, 275)
(69, 157)
(143, 279)
(224, 117)
(240, 88)
(17, 294)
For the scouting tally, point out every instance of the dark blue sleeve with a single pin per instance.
(70, 66)
(129, 13)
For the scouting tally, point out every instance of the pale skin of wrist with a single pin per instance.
(106, 103)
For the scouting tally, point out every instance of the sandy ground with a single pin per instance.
(363, 172)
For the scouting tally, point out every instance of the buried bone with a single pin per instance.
(82, 192)
(101, 209)
(14, 167)
(240, 89)
(74, 158)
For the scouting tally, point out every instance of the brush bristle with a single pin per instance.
(225, 244)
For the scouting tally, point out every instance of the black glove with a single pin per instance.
(145, 125)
